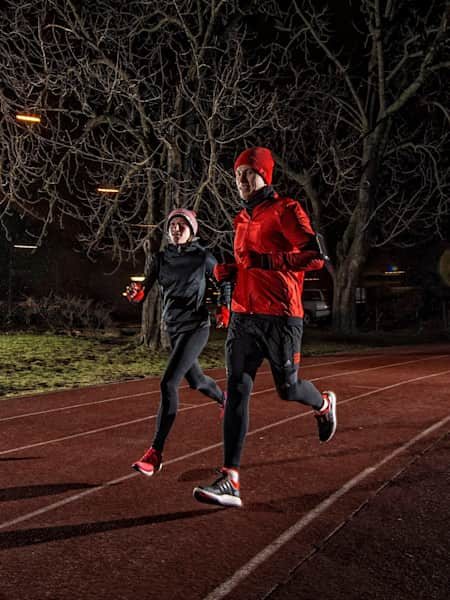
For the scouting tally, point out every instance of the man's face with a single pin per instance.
(248, 182)
(179, 231)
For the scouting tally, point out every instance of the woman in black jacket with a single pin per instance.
(181, 270)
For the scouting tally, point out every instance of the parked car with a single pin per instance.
(317, 308)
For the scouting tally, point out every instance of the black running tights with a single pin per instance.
(183, 362)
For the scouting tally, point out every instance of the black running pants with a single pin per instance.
(183, 362)
(250, 340)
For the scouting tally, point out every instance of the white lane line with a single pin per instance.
(98, 488)
(81, 404)
(230, 584)
(196, 406)
(184, 387)
(351, 399)
(388, 366)
(98, 430)
(364, 387)
(149, 392)
(357, 371)
(103, 486)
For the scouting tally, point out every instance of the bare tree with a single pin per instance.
(366, 135)
(148, 97)
(155, 98)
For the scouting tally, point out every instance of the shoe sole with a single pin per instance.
(332, 397)
(226, 501)
(137, 468)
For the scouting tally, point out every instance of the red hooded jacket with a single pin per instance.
(280, 228)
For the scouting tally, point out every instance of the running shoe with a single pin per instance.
(326, 418)
(224, 491)
(149, 463)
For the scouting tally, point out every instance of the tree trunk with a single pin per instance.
(345, 283)
(151, 335)
(353, 249)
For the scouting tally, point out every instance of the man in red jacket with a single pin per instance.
(274, 245)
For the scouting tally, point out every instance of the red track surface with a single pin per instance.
(363, 517)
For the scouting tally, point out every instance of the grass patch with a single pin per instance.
(42, 362)
(39, 363)
(32, 363)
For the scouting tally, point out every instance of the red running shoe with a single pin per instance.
(149, 463)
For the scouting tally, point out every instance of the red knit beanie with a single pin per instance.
(188, 215)
(259, 159)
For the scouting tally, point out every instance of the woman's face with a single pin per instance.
(179, 231)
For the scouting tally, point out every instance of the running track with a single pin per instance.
(363, 517)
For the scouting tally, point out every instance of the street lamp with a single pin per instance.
(108, 190)
(28, 118)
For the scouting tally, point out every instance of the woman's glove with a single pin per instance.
(225, 272)
(134, 292)
(222, 317)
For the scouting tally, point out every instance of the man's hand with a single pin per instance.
(225, 272)
(134, 292)
(222, 317)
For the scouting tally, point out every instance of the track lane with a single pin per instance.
(254, 432)
(151, 385)
(244, 572)
(109, 422)
(163, 508)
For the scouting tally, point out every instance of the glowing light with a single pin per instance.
(28, 118)
(137, 278)
(25, 246)
(393, 270)
(108, 190)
